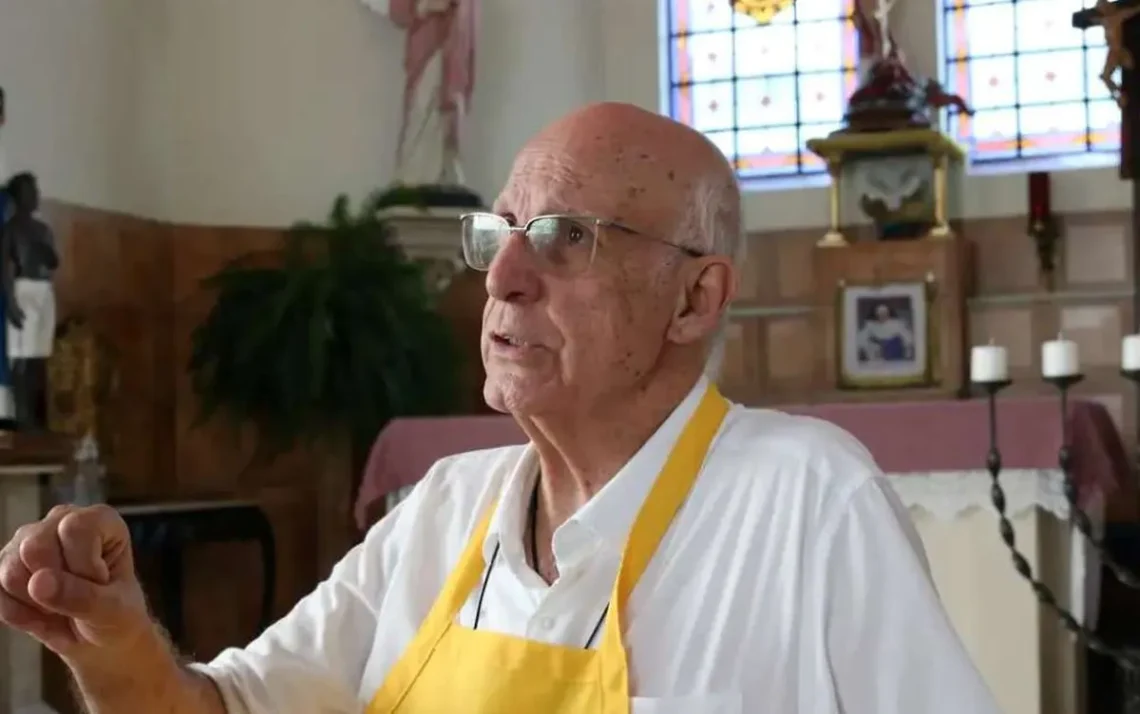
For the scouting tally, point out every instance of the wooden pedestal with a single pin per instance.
(26, 460)
(944, 264)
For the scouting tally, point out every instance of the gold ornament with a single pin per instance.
(762, 11)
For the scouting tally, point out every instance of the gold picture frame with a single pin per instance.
(887, 334)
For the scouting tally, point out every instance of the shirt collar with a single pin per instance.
(607, 516)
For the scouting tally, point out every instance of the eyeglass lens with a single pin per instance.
(563, 243)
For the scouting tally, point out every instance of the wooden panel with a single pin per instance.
(902, 261)
(137, 283)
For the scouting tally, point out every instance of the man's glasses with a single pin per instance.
(564, 243)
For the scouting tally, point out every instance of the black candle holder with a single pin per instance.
(1123, 659)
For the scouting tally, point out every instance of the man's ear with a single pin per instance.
(705, 295)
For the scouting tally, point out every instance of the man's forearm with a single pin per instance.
(149, 677)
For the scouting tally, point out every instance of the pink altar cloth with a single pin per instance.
(904, 437)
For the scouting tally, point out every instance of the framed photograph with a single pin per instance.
(885, 336)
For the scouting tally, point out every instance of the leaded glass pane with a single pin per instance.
(993, 82)
(1104, 126)
(988, 30)
(1068, 118)
(1056, 129)
(709, 57)
(769, 151)
(1050, 77)
(766, 50)
(700, 15)
(994, 132)
(808, 10)
(713, 106)
(759, 90)
(766, 102)
(821, 98)
(1033, 78)
(819, 46)
(777, 140)
(1046, 25)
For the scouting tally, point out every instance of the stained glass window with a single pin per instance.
(1032, 78)
(760, 91)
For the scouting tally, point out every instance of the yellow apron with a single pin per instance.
(451, 669)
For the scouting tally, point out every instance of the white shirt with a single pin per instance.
(791, 582)
(876, 331)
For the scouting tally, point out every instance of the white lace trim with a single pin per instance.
(946, 495)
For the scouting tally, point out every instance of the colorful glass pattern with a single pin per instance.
(1033, 79)
(760, 91)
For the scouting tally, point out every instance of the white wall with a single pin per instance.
(59, 61)
(258, 112)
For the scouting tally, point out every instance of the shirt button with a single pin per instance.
(546, 623)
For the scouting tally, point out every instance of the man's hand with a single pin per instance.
(69, 581)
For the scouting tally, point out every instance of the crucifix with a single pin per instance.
(1123, 39)
(1121, 26)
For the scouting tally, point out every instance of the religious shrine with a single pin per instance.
(893, 299)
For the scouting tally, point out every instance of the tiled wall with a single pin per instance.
(773, 337)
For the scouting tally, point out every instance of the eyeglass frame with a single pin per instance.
(598, 223)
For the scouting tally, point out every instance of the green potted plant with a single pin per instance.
(333, 336)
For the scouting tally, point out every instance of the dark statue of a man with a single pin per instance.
(28, 252)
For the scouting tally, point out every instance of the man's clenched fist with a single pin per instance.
(69, 581)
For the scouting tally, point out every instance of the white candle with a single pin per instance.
(988, 364)
(1059, 358)
(1130, 353)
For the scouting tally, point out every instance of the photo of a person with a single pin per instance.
(885, 330)
(884, 336)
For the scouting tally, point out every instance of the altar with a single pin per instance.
(934, 453)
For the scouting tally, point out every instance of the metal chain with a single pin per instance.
(1125, 575)
(1045, 596)
(1121, 572)
(1129, 663)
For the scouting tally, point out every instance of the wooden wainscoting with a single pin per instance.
(137, 282)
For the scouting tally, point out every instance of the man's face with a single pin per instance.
(553, 342)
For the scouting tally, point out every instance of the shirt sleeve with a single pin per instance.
(312, 660)
(890, 644)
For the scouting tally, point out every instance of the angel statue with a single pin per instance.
(447, 29)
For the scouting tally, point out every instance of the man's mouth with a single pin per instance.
(506, 340)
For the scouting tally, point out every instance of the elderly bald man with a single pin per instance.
(653, 549)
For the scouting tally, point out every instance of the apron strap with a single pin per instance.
(653, 520)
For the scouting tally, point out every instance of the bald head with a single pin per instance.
(648, 214)
(640, 168)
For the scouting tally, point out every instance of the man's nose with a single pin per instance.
(513, 275)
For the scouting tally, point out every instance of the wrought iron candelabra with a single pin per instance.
(1128, 662)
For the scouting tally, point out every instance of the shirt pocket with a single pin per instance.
(724, 703)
